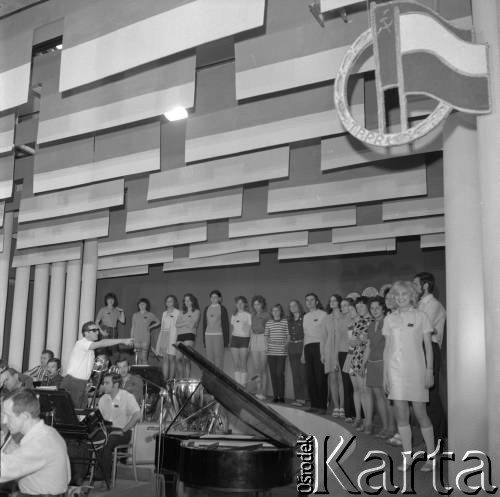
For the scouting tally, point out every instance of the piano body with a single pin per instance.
(256, 455)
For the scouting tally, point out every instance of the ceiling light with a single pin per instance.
(176, 114)
(59, 47)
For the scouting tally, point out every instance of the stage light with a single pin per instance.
(176, 114)
(59, 47)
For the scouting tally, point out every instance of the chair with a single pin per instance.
(140, 452)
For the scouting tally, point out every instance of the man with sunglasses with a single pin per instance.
(81, 361)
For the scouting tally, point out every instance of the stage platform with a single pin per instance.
(320, 426)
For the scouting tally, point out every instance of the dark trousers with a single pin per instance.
(277, 370)
(435, 408)
(317, 384)
(107, 452)
(298, 370)
(77, 389)
(349, 409)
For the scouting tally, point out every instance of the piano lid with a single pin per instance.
(246, 407)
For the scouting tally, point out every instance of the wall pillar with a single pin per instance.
(486, 18)
(8, 221)
(18, 324)
(89, 281)
(71, 309)
(39, 313)
(465, 339)
(56, 306)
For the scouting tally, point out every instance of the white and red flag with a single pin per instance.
(419, 52)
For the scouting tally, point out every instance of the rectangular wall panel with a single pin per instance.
(239, 258)
(72, 201)
(123, 271)
(343, 151)
(187, 26)
(74, 228)
(155, 256)
(432, 240)
(267, 135)
(292, 73)
(190, 211)
(331, 249)
(397, 184)
(7, 125)
(32, 257)
(327, 5)
(14, 86)
(282, 224)
(6, 176)
(296, 239)
(414, 207)
(181, 236)
(411, 227)
(222, 173)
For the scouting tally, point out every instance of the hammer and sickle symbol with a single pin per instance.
(385, 23)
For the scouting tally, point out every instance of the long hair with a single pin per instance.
(144, 301)
(245, 303)
(194, 301)
(261, 300)
(338, 298)
(319, 305)
(299, 305)
(111, 296)
(280, 308)
(409, 287)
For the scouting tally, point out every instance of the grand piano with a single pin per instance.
(256, 453)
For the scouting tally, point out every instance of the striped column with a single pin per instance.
(18, 323)
(71, 308)
(486, 18)
(465, 339)
(89, 280)
(56, 306)
(39, 313)
(4, 271)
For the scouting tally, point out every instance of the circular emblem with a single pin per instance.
(374, 137)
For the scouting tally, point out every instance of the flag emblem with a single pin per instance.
(416, 52)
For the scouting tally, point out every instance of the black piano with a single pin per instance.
(255, 459)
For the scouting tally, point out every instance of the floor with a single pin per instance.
(355, 464)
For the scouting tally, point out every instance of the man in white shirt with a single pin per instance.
(425, 285)
(40, 462)
(81, 361)
(120, 408)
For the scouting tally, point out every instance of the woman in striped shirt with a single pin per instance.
(276, 333)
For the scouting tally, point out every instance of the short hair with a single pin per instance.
(144, 301)
(174, 298)
(111, 296)
(115, 378)
(409, 287)
(57, 361)
(48, 352)
(123, 359)
(215, 292)
(244, 300)
(380, 300)
(299, 305)
(193, 300)
(319, 305)
(337, 297)
(362, 300)
(25, 401)
(86, 326)
(11, 371)
(280, 308)
(261, 300)
(428, 278)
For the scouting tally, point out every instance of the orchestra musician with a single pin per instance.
(81, 361)
(39, 463)
(54, 377)
(121, 409)
(131, 382)
(40, 373)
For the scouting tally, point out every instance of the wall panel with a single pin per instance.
(236, 259)
(155, 256)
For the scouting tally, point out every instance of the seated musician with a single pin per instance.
(54, 377)
(11, 382)
(130, 382)
(81, 362)
(40, 462)
(39, 373)
(121, 409)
